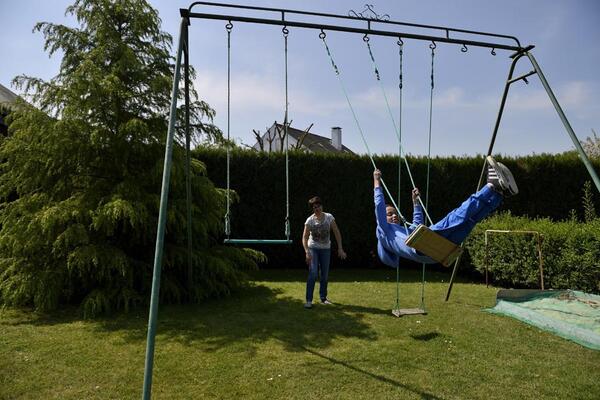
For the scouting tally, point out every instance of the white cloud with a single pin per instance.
(574, 94)
(254, 92)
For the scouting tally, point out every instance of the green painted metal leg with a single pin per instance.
(160, 234)
(565, 121)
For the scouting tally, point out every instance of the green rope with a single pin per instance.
(432, 46)
(396, 129)
(228, 27)
(285, 126)
(377, 75)
(285, 31)
(400, 87)
(322, 35)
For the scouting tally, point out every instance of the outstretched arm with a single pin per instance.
(417, 209)
(380, 204)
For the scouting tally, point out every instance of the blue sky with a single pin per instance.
(468, 86)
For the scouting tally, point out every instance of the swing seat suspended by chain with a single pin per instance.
(399, 312)
(434, 246)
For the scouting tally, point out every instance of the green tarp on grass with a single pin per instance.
(570, 314)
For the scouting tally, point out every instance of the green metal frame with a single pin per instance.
(443, 36)
(162, 219)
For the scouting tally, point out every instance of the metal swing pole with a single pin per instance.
(565, 121)
(188, 162)
(509, 81)
(162, 222)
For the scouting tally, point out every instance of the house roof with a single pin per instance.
(6, 95)
(315, 143)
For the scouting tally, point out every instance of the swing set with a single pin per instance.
(422, 239)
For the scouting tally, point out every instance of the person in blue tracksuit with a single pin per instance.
(456, 226)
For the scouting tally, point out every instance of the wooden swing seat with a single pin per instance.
(399, 312)
(434, 246)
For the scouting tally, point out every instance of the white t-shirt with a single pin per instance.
(319, 231)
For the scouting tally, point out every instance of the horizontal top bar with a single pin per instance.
(186, 13)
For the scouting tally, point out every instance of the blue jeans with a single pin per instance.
(457, 225)
(319, 259)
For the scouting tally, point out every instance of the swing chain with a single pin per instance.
(432, 46)
(400, 44)
(322, 35)
(366, 40)
(288, 230)
(227, 225)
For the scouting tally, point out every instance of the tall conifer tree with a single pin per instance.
(81, 172)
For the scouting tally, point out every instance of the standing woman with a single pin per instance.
(317, 246)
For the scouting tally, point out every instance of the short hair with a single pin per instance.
(390, 205)
(314, 200)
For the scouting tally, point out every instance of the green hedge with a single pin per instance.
(570, 252)
(550, 185)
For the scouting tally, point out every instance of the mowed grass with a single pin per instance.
(262, 344)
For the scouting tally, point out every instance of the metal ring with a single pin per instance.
(464, 48)
(432, 46)
(322, 34)
(285, 31)
(400, 42)
(366, 38)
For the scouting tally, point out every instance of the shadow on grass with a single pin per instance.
(361, 310)
(252, 316)
(381, 378)
(383, 274)
(425, 337)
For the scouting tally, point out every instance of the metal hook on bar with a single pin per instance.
(229, 26)
(285, 31)
(400, 42)
(366, 38)
(464, 48)
(322, 35)
(432, 46)
(493, 51)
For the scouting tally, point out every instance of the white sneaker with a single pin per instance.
(500, 175)
(326, 301)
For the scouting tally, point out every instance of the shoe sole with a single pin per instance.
(509, 179)
(505, 177)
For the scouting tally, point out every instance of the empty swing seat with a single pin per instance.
(433, 245)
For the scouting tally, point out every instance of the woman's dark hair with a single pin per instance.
(314, 200)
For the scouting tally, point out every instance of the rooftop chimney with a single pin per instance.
(336, 137)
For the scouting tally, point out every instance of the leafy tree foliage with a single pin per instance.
(86, 164)
(591, 145)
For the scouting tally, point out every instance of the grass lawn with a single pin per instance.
(262, 344)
